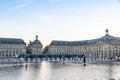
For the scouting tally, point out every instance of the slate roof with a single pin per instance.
(106, 38)
(11, 41)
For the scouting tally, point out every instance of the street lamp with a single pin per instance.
(16, 58)
(0, 52)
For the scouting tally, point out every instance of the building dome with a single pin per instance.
(36, 41)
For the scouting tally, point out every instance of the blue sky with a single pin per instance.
(59, 19)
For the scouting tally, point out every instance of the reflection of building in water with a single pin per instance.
(10, 47)
(35, 47)
(101, 48)
(110, 72)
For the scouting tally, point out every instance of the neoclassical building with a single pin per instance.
(105, 47)
(34, 47)
(11, 47)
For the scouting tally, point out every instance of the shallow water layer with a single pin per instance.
(60, 71)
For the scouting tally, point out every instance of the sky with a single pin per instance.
(68, 20)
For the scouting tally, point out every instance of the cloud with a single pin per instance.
(56, 1)
(67, 8)
(20, 4)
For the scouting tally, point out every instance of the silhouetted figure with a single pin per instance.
(26, 66)
(84, 60)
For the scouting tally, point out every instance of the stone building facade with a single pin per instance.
(35, 47)
(11, 47)
(105, 47)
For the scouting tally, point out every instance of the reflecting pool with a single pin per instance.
(59, 71)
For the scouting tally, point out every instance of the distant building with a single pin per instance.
(34, 47)
(106, 47)
(11, 47)
(45, 50)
